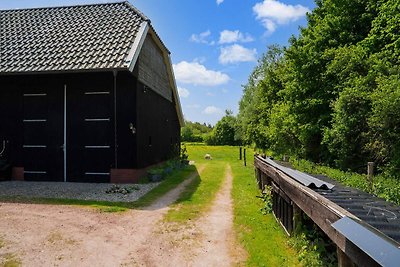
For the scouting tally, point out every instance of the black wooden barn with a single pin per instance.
(87, 94)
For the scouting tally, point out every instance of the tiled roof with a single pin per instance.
(88, 37)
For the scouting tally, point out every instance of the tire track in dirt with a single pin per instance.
(207, 241)
(54, 235)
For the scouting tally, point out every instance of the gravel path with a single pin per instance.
(81, 191)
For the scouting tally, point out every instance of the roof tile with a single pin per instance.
(85, 37)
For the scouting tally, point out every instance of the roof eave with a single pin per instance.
(67, 71)
(137, 45)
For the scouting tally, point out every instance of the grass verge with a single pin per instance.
(198, 195)
(261, 235)
(171, 181)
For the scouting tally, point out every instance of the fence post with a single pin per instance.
(244, 156)
(240, 153)
(371, 174)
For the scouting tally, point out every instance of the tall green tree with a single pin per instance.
(332, 95)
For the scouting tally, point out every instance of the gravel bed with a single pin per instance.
(81, 191)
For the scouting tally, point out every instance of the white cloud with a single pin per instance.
(194, 106)
(197, 74)
(227, 36)
(183, 92)
(219, 2)
(272, 12)
(211, 110)
(201, 38)
(237, 53)
(200, 60)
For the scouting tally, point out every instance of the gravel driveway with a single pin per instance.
(81, 191)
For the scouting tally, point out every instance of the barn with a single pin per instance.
(87, 94)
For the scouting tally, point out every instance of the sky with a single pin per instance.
(214, 44)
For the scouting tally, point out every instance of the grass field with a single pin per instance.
(261, 236)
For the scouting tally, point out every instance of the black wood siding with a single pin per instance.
(126, 114)
(154, 117)
(158, 129)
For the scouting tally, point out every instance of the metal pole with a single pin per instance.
(244, 156)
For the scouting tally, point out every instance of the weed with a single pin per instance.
(2, 242)
(10, 260)
(313, 246)
(109, 209)
(267, 199)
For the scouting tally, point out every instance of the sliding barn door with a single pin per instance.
(90, 128)
(43, 143)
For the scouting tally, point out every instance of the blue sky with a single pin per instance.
(214, 44)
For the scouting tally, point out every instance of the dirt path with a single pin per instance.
(50, 235)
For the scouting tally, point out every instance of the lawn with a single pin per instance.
(261, 236)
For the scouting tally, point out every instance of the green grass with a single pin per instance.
(383, 186)
(2, 242)
(198, 196)
(171, 181)
(10, 260)
(261, 236)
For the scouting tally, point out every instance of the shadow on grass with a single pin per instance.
(169, 183)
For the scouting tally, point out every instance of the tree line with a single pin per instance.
(225, 132)
(333, 94)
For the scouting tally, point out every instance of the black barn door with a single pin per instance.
(90, 127)
(43, 141)
(68, 129)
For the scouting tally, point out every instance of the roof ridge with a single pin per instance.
(111, 2)
(140, 13)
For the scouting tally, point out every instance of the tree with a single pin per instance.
(332, 95)
(224, 131)
(194, 132)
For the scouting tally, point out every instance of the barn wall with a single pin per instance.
(126, 115)
(10, 118)
(154, 118)
(158, 129)
(152, 69)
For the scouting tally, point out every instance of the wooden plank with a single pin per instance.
(321, 210)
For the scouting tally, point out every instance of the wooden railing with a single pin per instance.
(291, 197)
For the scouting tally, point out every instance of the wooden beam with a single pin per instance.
(321, 210)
